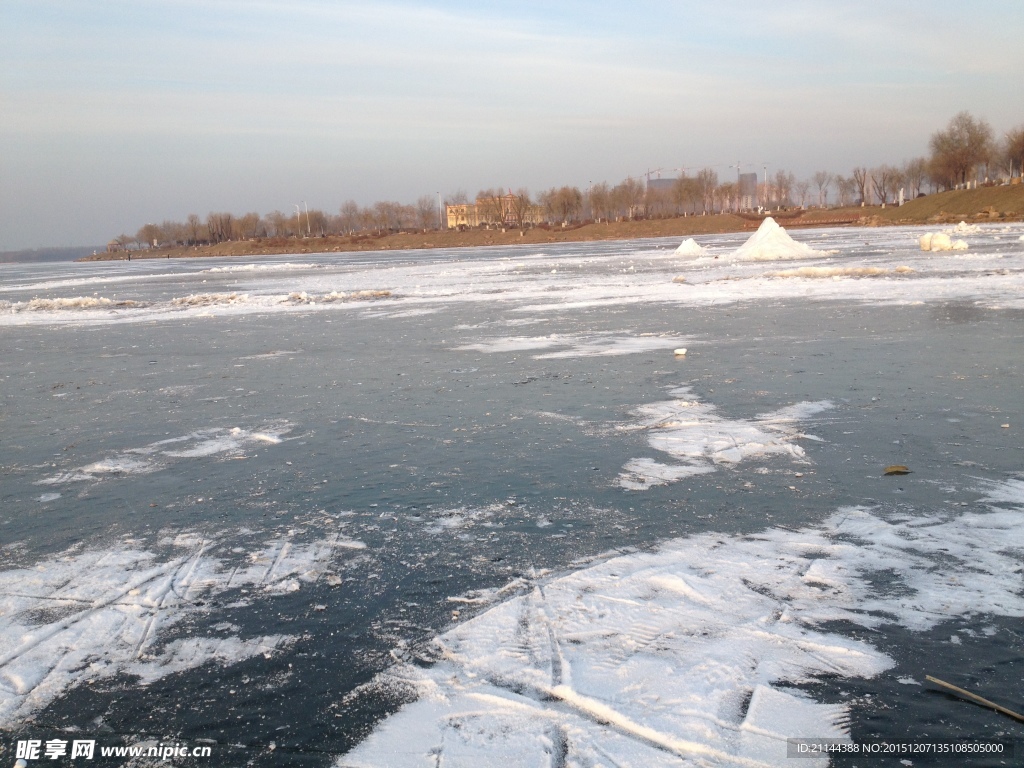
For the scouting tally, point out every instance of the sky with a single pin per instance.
(116, 113)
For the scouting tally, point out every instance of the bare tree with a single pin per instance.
(914, 173)
(784, 186)
(193, 226)
(845, 188)
(707, 183)
(568, 202)
(348, 216)
(520, 204)
(426, 212)
(822, 180)
(600, 200)
(629, 196)
(317, 223)
(882, 179)
(803, 190)
(494, 205)
(860, 183)
(1013, 151)
(960, 149)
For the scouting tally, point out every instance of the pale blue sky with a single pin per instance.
(118, 113)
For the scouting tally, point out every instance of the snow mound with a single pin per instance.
(75, 302)
(826, 272)
(772, 243)
(691, 247)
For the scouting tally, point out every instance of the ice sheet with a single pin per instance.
(686, 653)
(574, 276)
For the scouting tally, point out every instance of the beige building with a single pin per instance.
(501, 211)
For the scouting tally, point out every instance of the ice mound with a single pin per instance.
(301, 297)
(88, 615)
(826, 272)
(260, 268)
(940, 241)
(963, 228)
(772, 243)
(208, 299)
(579, 346)
(685, 655)
(693, 433)
(76, 302)
(691, 247)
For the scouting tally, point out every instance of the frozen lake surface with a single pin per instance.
(468, 508)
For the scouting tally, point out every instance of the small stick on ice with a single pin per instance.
(975, 698)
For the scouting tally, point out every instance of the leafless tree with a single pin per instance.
(520, 204)
(1013, 151)
(494, 205)
(803, 191)
(348, 216)
(783, 183)
(915, 171)
(426, 212)
(882, 180)
(600, 200)
(628, 196)
(822, 180)
(707, 183)
(193, 226)
(860, 181)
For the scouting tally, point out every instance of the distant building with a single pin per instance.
(500, 211)
(747, 191)
(661, 185)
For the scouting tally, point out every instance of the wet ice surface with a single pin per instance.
(272, 507)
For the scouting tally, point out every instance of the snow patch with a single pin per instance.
(153, 457)
(694, 433)
(88, 615)
(688, 652)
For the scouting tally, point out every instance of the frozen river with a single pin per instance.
(468, 508)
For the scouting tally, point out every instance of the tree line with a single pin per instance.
(966, 151)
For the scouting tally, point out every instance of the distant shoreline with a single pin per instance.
(986, 204)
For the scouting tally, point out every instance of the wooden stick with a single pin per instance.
(975, 698)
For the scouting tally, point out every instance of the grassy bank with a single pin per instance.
(985, 204)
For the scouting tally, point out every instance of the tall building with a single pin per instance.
(748, 191)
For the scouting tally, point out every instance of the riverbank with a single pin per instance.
(985, 204)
